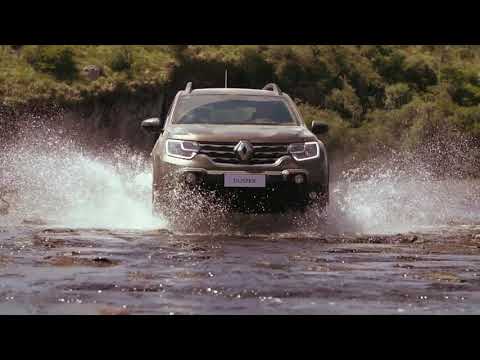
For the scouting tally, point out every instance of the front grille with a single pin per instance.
(263, 154)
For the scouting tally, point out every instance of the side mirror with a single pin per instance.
(153, 125)
(319, 128)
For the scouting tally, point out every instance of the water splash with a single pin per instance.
(400, 192)
(62, 183)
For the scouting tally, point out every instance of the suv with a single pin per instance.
(250, 147)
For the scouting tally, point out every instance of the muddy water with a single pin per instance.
(98, 271)
(78, 237)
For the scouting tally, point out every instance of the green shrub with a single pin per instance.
(420, 73)
(257, 70)
(463, 84)
(55, 60)
(346, 103)
(178, 51)
(389, 62)
(397, 95)
(121, 59)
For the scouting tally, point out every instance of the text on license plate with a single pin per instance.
(241, 180)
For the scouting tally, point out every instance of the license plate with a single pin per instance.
(241, 180)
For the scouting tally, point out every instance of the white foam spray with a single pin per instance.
(401, 193)
(60, 182)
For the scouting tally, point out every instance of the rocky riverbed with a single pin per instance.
(59, 270)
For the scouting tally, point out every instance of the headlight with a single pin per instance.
(304, 151)
(182, 149)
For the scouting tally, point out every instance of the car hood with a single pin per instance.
(233, 133)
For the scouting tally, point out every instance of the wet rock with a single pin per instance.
(61, 261)
(476, 237)
(342, 251)
(138, 275)
(58, 231)
(273, 266)
(198, 248)
(34, 222)
(376, 240)
(408, 258)
(112, 310)
(408, 239)
(191, 275)
(46, 241)
(95, 287)
(104, 261)
(77, 261)
(3, 260)
(92, 72)
(404, 266)
(153, 288)
(413, 238)
(317, 268)
(444, 277)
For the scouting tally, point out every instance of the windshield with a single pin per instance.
(232, 110)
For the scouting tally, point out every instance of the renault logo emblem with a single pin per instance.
(244, 150)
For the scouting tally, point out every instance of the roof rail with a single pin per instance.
(273, 87)
(188, 88)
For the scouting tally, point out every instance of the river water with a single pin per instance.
(78, 237)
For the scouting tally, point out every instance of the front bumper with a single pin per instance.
(173, 169)
(281, 192)
(216, 177)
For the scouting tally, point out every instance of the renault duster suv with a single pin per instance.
(251, 147)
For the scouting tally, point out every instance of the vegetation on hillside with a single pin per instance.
(372, 95)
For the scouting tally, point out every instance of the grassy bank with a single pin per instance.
(372, 96)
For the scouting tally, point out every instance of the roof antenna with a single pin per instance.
(226, 77)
